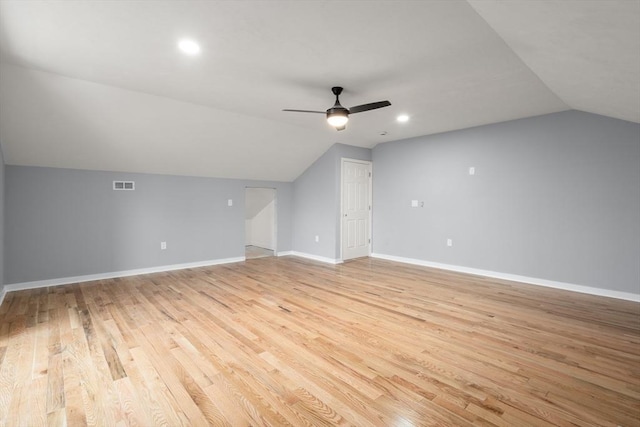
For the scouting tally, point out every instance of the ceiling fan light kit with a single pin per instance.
(338, 116)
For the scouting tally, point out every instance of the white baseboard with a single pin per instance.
(314, 257)
(515, 278)
(115, 274)
(505, 276)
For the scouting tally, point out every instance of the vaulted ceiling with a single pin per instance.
(101, 84)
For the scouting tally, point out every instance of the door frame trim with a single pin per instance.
(341, 213)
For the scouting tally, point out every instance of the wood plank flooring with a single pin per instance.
(252, 252)
(286, 341)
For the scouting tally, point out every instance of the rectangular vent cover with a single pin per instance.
(124, 185)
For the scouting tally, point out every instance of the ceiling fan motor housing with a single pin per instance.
(337, 109)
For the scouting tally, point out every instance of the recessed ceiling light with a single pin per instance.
(403, 118)
(189, 47)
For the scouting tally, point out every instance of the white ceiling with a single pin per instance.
(101, 84)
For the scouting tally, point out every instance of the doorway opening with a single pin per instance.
(260, 222)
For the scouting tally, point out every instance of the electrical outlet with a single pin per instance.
(472, 170)
(449, 242)
(414, 203)
(230, 202)
(317, 239)
(163, 245)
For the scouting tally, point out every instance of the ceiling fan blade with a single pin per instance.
(367, 107)
(306, 111)
(342, 127)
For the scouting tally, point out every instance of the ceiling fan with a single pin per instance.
(338, 116)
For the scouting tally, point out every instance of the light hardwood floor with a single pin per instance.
(285, 341)
(252, 252)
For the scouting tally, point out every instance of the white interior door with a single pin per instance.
(356, 209)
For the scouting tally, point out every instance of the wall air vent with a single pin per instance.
(124, 185)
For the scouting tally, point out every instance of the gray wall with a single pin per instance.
(316, 202)
(64, 223)
(554, 197)
(2, 179)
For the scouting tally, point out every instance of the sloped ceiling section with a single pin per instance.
(586, 52)
(55, 121)
(101, 85)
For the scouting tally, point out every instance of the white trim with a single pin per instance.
(2, 294)
(284, 253)
(314, 257)
(113, 275)
(515, 278)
